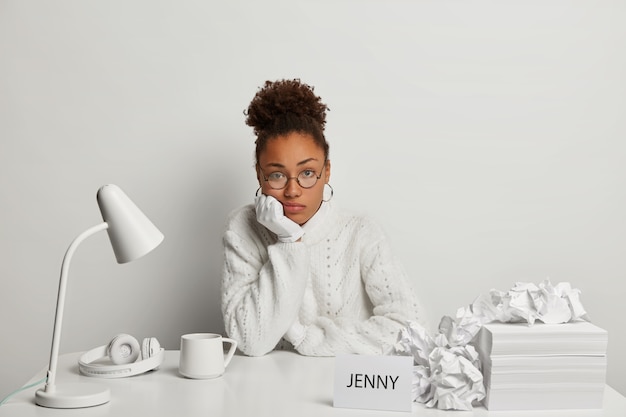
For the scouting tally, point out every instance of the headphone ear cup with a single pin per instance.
(150, 346)
(123, 349)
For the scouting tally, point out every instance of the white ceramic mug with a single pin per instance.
(202, 355)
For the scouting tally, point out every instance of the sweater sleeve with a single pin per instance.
(262, 289)
(393, 304)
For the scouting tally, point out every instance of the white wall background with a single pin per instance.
(488, 138)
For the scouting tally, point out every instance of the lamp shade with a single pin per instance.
(131, 233)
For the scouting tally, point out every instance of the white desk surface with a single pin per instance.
(278, 384)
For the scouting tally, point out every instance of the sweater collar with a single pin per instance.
(318, 218)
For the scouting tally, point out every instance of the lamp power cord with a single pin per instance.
(5, 399)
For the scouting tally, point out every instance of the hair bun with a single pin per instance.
(284, 98)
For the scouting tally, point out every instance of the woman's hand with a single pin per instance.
(269, 212)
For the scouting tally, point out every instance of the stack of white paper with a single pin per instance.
(542, 366)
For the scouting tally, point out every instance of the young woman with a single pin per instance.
(298, 272)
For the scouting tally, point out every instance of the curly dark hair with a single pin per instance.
(286, 106)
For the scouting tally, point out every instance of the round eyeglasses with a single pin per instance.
(306, 178)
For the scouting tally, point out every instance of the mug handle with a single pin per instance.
(231, 351)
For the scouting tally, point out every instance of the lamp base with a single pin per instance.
(73, 396)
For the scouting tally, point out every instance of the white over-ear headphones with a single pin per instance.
(123, 351)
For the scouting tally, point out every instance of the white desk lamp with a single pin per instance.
(132, 235)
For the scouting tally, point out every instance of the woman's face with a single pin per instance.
(294, 154)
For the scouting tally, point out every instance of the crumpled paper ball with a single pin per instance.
(447, 372)
(444, 376)
(458, 383)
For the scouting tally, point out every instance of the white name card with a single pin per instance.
(373, 382)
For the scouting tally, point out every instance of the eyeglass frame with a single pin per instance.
(317, 177)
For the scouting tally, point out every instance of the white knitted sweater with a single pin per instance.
(338, 290)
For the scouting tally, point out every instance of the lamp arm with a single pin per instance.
(58, 318)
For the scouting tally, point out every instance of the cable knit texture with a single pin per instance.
(338, 290)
